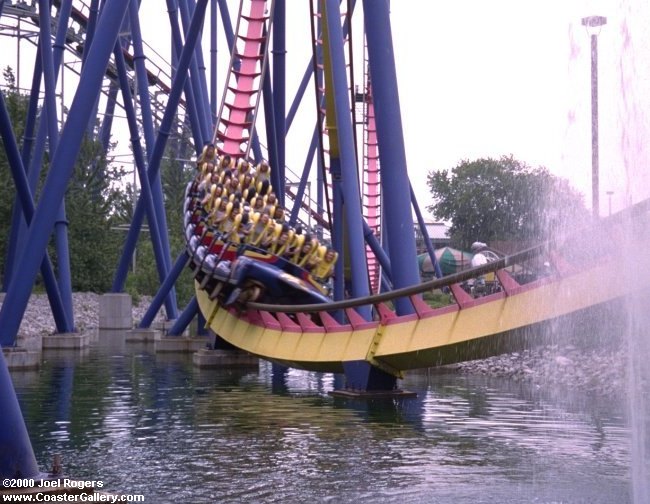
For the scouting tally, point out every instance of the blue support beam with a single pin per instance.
(61, 224)
(34, 161)
(213, 64)
(167, 284)
(17, 223)
(62, 166)
(109, 115)
(201, 77)
(148, 128)
(338, 239)
(184, 319)
(376, 248)
(17, 458)
(299, 94)
(146, 193)
(27, 204)
(163, 135)
(277, 181)
(194, 81)
(392, 154)
(199, 130)
(348, 163)
(279, 86)
(304, 178)
(425, 234)
(93, 15)
(360, 375)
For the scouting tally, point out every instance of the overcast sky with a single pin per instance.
(479, 79)
(514, 77)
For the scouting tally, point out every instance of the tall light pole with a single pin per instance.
(593, 24)
(609, 195)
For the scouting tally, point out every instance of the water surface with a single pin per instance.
(155, 425)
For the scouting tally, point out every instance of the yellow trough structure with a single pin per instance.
(473, 328)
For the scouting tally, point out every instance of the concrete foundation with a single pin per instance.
(66, 341)
(138, 335)
(66, 356)
(179, 344)
(206, 359)
(115, 311)
(21, 358)
(165, 325)
(373, 394)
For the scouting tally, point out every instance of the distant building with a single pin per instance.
(438, 234)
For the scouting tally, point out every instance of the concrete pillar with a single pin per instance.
(115, 311)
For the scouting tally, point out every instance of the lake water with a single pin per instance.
(154, 425)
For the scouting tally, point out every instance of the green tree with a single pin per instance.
(92, 200)
(98, 204)
(16, 104)
(504, 199)
(175, 174)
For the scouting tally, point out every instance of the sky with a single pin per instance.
(485, 79)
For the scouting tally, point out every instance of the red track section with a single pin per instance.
(371, 186)
(241, 98)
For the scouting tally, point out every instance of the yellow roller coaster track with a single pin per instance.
(589, 270)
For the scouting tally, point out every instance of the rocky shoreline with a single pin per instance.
(38, 320)
(599, 371)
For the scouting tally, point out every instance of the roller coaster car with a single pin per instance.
(260, 281)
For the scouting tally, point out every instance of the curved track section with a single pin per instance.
(581, 281)
(532, 288)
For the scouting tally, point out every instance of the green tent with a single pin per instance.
(451, 261)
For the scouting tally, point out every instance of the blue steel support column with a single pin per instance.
(304, 178)
(375, 246)
(17, 458)
(193, 81)
(63, 323)
(397, 204)
(155, 206)
(154, 226)
(161, 140)
(167, 284)
(62, 167)
(337, 239)
(32, 110)
(360, 375)
(93, 15)
(27, 204)
(348, 162)
(109, 114)
(271, 137)
(306, 77)
(279, 84)
(123, 29)
(156, 184)
(227, 24)
(213, 64)
(201, 78)
(61, 223)
(425, 234)
(184, 319)
(17, 223)
(199, 129)
(320, 187)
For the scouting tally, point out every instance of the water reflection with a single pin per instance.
(155, 425)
